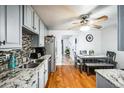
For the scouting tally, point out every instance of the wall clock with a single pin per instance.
(89, 37)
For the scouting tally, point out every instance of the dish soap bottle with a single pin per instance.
(12, 61)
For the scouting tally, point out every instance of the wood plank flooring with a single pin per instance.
(67, 76)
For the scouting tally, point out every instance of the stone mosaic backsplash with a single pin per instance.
(26, 48)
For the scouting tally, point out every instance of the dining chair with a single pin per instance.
(77, 61)
(111, 57)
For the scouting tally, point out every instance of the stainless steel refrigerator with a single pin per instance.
(50, 49)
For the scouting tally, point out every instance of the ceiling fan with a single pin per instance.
(85, 20)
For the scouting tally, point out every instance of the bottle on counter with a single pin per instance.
(12, 61)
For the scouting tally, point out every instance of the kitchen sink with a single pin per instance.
(32, 64)
(29, 65)
(38, 61)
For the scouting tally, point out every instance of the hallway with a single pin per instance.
(67, 61)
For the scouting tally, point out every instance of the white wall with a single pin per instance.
(95, 45)
(82, 44)
(109, 41)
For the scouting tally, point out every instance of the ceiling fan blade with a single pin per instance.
(103, 18)
(99, 20)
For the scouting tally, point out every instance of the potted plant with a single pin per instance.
(67, 51)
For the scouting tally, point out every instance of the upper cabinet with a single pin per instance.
(30, 19)
(121, 27)
(36, 23)
(15, 17)
(10, 27)
(41, 34)
(45, 31)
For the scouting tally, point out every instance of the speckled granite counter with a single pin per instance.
(24, 78)
(113, 76)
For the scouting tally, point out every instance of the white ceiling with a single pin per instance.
(56, 17)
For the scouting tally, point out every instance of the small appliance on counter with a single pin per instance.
(34, 56)
(37, 53)
(40, 50)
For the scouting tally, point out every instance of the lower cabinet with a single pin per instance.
(46, 71)
(101, 82)
(41, 77)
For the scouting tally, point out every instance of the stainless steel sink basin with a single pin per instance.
(32, 65)
(29, 65)
(38, 61)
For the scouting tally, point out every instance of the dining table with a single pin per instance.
(89, 59)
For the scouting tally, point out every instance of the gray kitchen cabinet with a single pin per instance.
(45, 31)
(102, 82)
(43, 75)
(36, 23)
(41, 79)
(10, 27)
(120, 27)
(41, 34)
(46, 71)
(28, 17)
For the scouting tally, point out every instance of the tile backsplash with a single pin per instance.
(26, 48)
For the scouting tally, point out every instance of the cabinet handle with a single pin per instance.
(2, 43)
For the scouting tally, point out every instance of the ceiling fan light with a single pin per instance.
(85, 28)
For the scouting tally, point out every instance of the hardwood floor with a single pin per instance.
(67, 76)
(67, 61)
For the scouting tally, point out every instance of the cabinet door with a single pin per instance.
(36, 23)
(45, 31)
(46, 71)
(41, 81)
(2, 23)
(13, 30)
(41, 36)
(102, 82)
(28, 17)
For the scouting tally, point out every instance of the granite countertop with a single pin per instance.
(114, 76)
(8, 75)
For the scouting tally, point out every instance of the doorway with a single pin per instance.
(66, 45)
